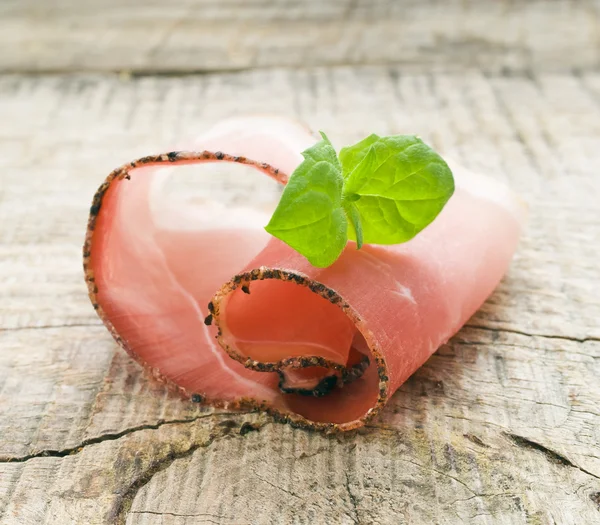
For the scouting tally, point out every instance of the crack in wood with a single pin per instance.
(120, 509)
(277, 486)
(353, 500)
(528, 334)
(117, 515)
(553, 456)
(105, 437)
(165, 513)
(50, 326)
(486, 496)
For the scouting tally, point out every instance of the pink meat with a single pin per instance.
(151, 275)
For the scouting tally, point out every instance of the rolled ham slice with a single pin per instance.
(212, 305)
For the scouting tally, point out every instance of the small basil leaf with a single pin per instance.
(402, 184)
(310, 217)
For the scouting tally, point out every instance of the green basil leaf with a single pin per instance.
(386, 188)
(310, 217)
(399, 186)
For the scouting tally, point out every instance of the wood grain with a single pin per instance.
(214, 35)
(500, 426)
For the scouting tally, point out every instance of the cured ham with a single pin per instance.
(211, 304)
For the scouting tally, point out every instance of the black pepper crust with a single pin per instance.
(326, 385)
(243, 403)
(262, 273)
(339, 378)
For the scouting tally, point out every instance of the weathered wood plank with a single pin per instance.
(62, 387)
(485, 432)
(96, 484)
(497, 427)
(209, 35)
(377, 477)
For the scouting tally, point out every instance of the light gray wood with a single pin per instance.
(500, 426)
(209, 35)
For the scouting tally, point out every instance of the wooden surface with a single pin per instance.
(208, 35)
(501, 425)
